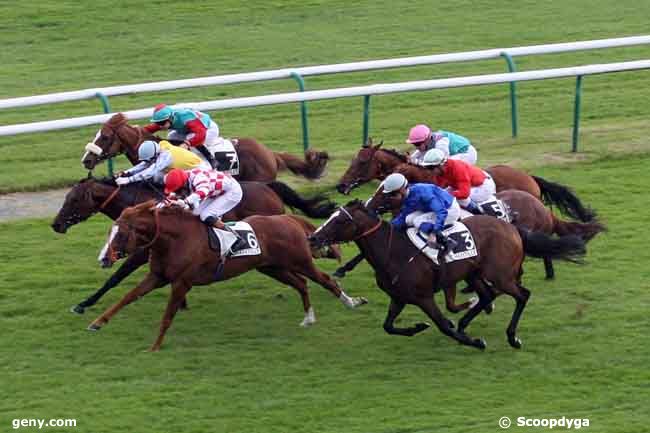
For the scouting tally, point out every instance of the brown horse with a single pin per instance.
(408, 277)
(91, 196)
(373, 162)
(256, 161)
(528, 212)
(180, 255)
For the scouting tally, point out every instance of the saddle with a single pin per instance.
(243, 243)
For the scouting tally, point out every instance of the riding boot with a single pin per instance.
(208, 156)
(217, 223)
(473, 208)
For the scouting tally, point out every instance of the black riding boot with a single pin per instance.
(208, 156)
(473, 208)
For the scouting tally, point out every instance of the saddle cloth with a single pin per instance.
(464, 248)
(225, 154)
(224, 240)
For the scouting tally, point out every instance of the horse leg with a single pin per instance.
(394, 309)
(132, 263)
(450, 300)
(340, 272)
(150, 282)
(484, 301)
(310, 271)
(431, 309)
(548, 267)
(521, 295)
(298, 283)
(176, 297)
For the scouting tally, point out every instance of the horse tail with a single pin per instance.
(565, 199)
(330, 252)
(316, 207)
(586, 231)
(538, 244)
(312, 166)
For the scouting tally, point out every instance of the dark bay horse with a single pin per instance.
(373, 162)
(256, 161)
(408, 277)
(91, 196)
(528, 212)
(181, 256)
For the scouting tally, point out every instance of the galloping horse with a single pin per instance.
(91, 196)
(373, 162)
(257, 162)
(408, 277)
(180, 255)
(527, 211)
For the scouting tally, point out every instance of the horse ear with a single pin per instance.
(90, 174)
(379, 145)
(368, 143)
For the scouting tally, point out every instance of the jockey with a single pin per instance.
(424, 206)
(208, 193)
(454, 146)
(156, 159)
(469, 184)
(196, 129)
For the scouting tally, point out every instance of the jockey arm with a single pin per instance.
(145, 170)
(152, 127)
(443, 144)
(462, 182)
(416, 157)
(196, 132)
(441, 211)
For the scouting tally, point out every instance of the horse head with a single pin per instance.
(363, 168)
(137, 227)
(114, 137)
(349, 223)
(381, 202)
(316, 163)
(78, 206)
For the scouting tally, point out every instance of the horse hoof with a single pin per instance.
(473, 301)
(481, 343)
(419, 327)
(307, 323)
(78, 309)
(154, 349)
(515, 342)
(339, 274)
(94, 327)
(550, 277)
(451, 324)
(361, 301)
(489, 308)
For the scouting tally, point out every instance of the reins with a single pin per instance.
(110, 198)
(157, 235)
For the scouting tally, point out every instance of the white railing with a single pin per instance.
(323, 69)
(374, 89)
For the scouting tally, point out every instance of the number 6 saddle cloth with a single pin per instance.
(224, 240)
(464, 247)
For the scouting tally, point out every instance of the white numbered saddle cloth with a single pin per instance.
(250, 246)
(464, 243)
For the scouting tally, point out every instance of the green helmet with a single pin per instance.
(394, 182)
(161, 113)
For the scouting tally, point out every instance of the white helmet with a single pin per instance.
(394, 182)
(433, 157)
(147, 150)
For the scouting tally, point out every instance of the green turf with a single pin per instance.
(237, 361)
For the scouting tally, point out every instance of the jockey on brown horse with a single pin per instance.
(256, 161)
(181, 256)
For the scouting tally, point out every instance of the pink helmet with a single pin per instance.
(418, 134)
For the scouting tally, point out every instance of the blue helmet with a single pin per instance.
(161, 112)
(148, 150)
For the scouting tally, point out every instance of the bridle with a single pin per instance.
(103, 155)
(116, 255)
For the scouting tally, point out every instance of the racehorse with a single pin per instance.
(373, 162)
(91, 196)
(527, 211)
(408, 277)
(180, 255)
(256, 161)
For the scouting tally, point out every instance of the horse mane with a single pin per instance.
(396, 153)
(117, 120)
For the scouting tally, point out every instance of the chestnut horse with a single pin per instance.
(180, 255)
(373, 162)
(408, 277)
(91, 196)
(527, 211)
(256, 161)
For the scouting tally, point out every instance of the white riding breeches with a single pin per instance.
(416, 218)
(470, 156)
(481, 193)
(220, 205)
(211, 135)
